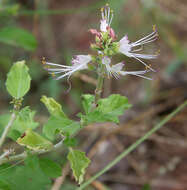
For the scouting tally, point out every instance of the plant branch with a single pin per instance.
(7, 128)
(7, 153)
(133, 146)
(99, 86)
(24, 154)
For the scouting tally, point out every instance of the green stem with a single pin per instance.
(133, 146)
(99, 86)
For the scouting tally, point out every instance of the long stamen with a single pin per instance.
(137, 49)
(145, 56)
(56, 69)
(112, 14)
(108, 14)
(56, 72)
(105, 13)
(147, 37)
(143, 77)
(147, 66)
(53, 64)
(144, 42)
(102, 13)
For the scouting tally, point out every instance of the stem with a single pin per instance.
(133, 146)
(24, 154)
(7, 153)
(7, 128)
(99, 86)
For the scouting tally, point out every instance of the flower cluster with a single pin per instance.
(106, 45)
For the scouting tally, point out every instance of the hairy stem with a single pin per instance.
(24, 154)
(133, 146)
(99, 86)
(7, 128)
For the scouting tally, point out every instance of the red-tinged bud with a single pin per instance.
(112, 34)
(95, 32)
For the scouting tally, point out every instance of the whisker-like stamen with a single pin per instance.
(135, 50)
(53, 64)
(147, 66)
(144, 77)
(51, 69)
(142, 43)
(145, 56)
(111, 18)
(146, 37)
(108, 16)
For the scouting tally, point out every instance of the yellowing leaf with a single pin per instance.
(79, 162)
(34, 141)
(53, 107)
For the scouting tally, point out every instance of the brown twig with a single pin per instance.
(60, 180)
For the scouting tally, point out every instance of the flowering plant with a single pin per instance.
(20, 125)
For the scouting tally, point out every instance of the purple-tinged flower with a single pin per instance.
(107, 16)
(80, 62)
(105, 22)
(130, 48)
(116, 70)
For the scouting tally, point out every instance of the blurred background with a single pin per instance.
(57, 30)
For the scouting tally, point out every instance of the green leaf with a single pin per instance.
(18, 80)
(61, 125)
(108, 109)
(79, 162)
(50, 168)
(53, 107)
(24, 120)
(4, 185)
(18, 37)
(28, 176)
(34, 141)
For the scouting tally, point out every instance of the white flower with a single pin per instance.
(116, 70)
(107, 16)
(126, 47)
(80, 62)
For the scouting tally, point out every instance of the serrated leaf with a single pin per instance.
(18, 80)
(34, 141)
(108, 109)
(61, 125)
(24, 120)
(53, 107)
(79, 162)
(50, 168)
(18, 37)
